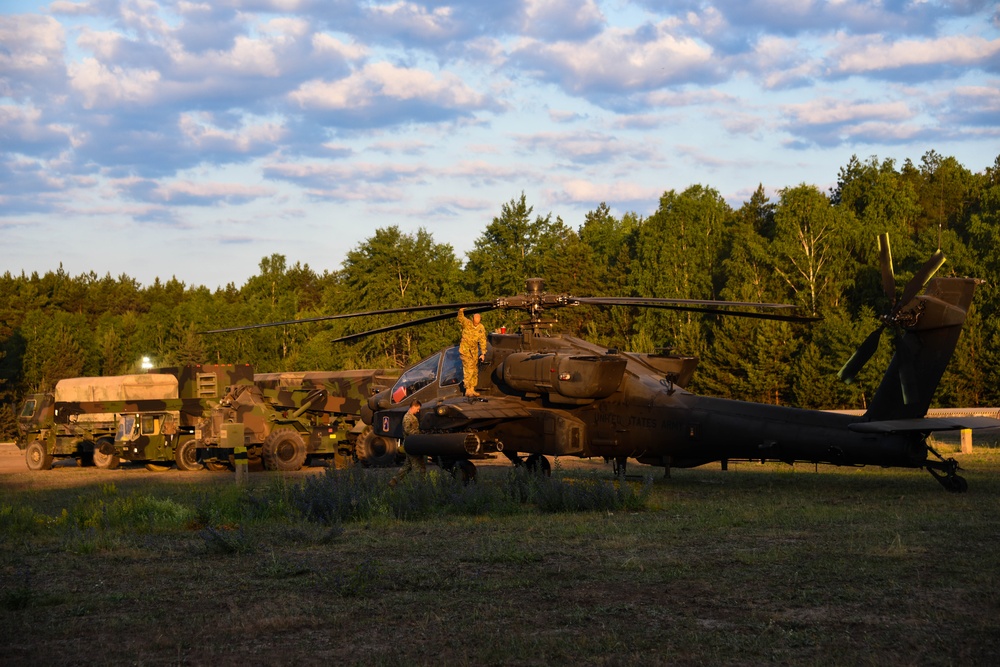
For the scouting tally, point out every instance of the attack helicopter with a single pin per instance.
(549, 395)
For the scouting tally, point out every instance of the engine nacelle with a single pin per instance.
(561, 375)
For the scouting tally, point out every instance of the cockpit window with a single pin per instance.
(416, 378)
(451, 367)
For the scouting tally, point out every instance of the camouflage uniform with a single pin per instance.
(471, 348)
(411, 426)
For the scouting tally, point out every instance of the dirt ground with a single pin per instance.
(11, 458)
(66, 472)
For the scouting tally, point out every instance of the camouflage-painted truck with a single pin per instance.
(80, 418)
(282, 419)
(285, 419)
(159, 434)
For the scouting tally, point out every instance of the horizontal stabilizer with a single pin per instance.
(925, 425)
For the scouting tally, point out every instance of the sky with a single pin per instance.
(187, 139)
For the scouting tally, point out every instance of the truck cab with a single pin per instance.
(35, 417)
(147, 436)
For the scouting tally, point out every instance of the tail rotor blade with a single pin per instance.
(885, 261)
(861, 356)
(920, 279)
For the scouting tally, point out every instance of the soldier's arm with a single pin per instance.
(462, 319)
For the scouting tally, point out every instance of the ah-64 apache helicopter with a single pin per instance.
(552, 395)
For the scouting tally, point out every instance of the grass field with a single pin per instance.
(758, 564)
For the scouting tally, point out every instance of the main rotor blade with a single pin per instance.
(387, 311)
(411, 323)
(652, 302)
(861, 356)
(919, 280)
(698, 309)
(885, 261)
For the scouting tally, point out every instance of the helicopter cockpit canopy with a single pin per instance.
(445, 364)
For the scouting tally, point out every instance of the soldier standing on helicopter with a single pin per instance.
(472, 349)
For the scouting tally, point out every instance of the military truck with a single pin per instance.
(80, 419)
(282, 419)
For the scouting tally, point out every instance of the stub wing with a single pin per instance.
(925, 425)
(463, 413)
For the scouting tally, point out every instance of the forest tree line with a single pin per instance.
(810, 248)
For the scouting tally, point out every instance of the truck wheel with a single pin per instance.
(37, 456)
(284, 450)
(105, 461)
(85, 454)
(375, 451)
(186, 456)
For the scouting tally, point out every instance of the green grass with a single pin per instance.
(759, 564)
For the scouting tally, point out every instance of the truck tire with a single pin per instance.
(105, 461)
(186, 455)
(37, 456)
(284, 450)
(375, 451)
(85, 454)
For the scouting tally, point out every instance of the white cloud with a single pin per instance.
(203, 134)
(203, 193)
(415, 20)
(622, 60)
(561, 19)
(103, 87)
(874, 54)
(827, 111)
(382, 80)
(587, 192)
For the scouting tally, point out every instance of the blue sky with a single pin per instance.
(162, 138)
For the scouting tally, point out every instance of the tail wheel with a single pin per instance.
(284, 450)
(105, 461)
(37, 456)
(186, 455)
(375, 451)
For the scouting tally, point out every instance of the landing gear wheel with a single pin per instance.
(37, 456)
(375, 451)
(540, 464)
(958, 484)
(468, 471)
(217, 466)
(186, 456)
(157, 467)
(284, 450)
(949, 478)
(618, 466)
(105, 461)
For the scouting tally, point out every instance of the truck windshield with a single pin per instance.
(126, 428)
(29, 408)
